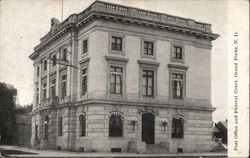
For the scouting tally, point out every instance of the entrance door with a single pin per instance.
(148, 128)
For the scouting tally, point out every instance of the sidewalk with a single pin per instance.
(15, 151)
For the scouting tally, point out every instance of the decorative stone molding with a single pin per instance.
(117, 59)
(142, 110)
(177, 66)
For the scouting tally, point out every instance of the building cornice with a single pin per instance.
(129, 15)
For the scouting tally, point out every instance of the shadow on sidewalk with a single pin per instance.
(6, 153)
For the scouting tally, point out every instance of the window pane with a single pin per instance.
(144, 90)
(144, 81)
(118, 79)
(113, 40)
(118, 88)
(112, 79)
(119, 41)
(118, 47)
(118, 69)
(150, 91)
(144, 72)
(150, 73)
(150, 81)
(112, 88)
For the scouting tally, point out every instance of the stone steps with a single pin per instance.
(161, 148)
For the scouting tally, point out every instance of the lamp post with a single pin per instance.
(134, 122)
(164, 124)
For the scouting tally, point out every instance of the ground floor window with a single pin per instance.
(177, 126)
(82, 125)
(60, 126)
(36, 131)
(116, 124)
(46, 127)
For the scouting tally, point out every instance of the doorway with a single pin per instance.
(148, 128)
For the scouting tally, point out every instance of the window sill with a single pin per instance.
(117, 52)
(116, 96)
(149, 56)
(177, 60)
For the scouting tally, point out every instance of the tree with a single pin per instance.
(7, 112)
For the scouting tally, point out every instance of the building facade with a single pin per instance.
(116, 78)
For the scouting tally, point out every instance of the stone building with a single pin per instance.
(116, 78)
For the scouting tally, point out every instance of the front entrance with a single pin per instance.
(148, 128)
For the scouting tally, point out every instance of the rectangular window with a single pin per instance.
(148, 48)
(148, 83)
(44, 90)
(177, 52)
(37, 71)
(115, 80)
(53, 88)
(177, 127)
(177, 84)
(64, 55)
(60, 126)
(45, 65)
(85, 46)
(84, 81)
(82, 125)
(54, 60)
(37, 95)
(116, 43)
(64, 86)
(36, 131)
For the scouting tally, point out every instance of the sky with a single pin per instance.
(24, 22)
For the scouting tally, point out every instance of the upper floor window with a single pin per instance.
(64, 54)
(115, 80)
(54, 60)
(53, 88)
(177, 53)
(177, 126)
(60, 126)
(85, 46)
(84, 81)
(116, 43)
(37, 71)
(45, 65)
(177, 85)
(37, 94)
(64, 86)
(82, 125)
(116, 125)
(148, 83)
(44, 90)
(148, 48)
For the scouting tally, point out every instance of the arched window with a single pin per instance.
(116, 124)
(46, 127)
(82, 125)
(60, 126)
(177, 126)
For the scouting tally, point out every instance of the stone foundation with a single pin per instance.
(197, 129)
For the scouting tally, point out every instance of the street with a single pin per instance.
(15, 151)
